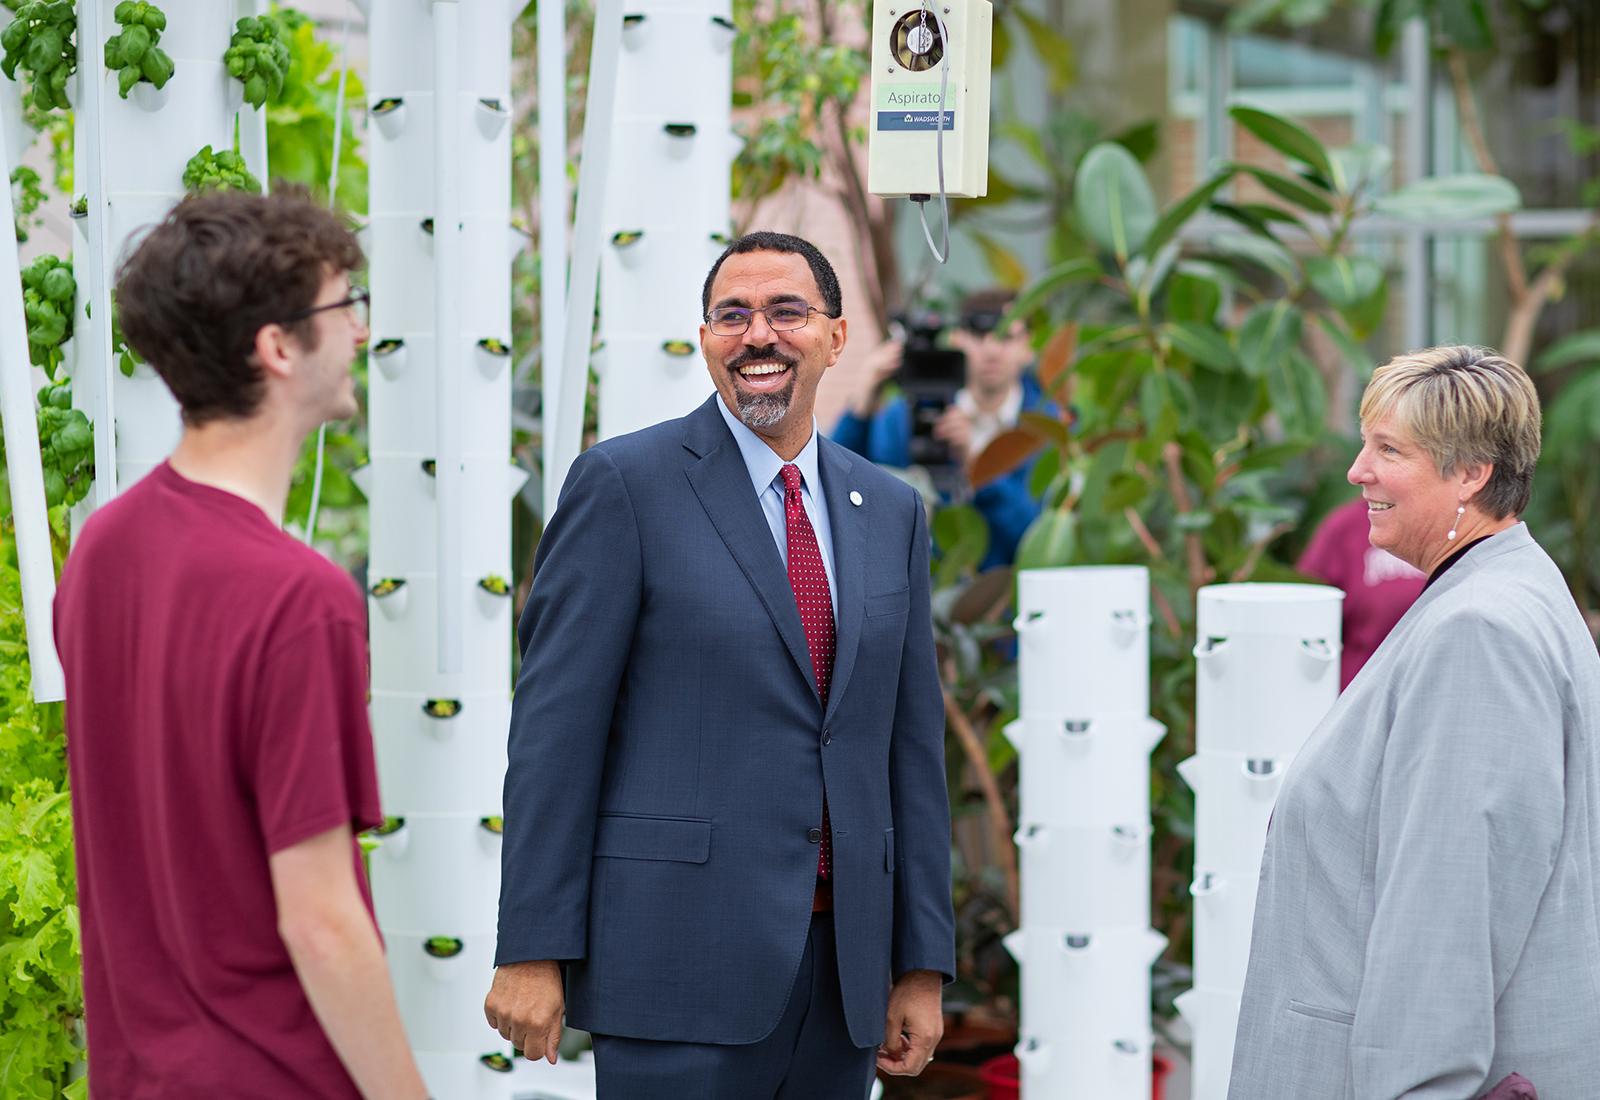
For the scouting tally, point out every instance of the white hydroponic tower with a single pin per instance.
(1084, 738)
(666, 212)
(439, 485)
(1268, 670)
(129, 158)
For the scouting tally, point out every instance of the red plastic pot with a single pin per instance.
(1003, 1076)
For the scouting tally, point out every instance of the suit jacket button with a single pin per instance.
(815, 836)
(827, 736)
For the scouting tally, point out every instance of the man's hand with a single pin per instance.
(525, 1004)
(954, 428)
(914, 1025)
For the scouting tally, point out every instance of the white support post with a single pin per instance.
(24, 470)
(1084, 738)
(1268, 670)
(666, 207)
(447, 324)
(93, 386)
(566, 420)
(552, 66)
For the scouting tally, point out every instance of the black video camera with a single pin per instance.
(929, 376)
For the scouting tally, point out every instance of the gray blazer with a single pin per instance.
(1429, 913)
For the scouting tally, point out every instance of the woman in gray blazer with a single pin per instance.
(1429, 914)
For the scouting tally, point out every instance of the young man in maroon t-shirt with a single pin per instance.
(216, 693)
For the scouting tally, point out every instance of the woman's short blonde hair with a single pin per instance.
(1465, 406)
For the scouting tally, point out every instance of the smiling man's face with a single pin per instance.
(768, 379)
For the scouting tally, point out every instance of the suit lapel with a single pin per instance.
(848, 521)
(722, 482)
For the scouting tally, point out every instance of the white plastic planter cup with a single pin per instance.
(437, 871)
(1213, 1018)
(1233, 798)
(1085, 879)
(1084, 636)
(1071, 1067)
(1224, 916)
(441, 1000)
(404, 649)
(1087, 987)
(431, 765)
(1083, 771)
(1268, 666)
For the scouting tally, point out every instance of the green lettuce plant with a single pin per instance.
(41, 990)
(211, 171)
(40, 42)
(134, 54)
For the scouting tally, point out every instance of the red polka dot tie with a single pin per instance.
(809, 580)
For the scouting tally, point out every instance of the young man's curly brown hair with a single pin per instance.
(200, 285)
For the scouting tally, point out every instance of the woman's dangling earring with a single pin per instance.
(1460, 511)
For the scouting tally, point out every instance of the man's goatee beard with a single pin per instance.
(765, 410)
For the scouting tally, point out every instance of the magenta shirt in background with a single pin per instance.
(1378, 587)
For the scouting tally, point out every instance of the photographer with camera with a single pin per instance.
(949, 404)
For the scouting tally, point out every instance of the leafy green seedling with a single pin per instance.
(66, 446)
(48, 294)
(224, 171)
(40, 42)
(258, 57)
(134, 54)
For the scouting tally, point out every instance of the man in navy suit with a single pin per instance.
(727, 836)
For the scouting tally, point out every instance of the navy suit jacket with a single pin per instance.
(668, 748)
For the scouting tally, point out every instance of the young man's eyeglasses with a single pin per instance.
(781, 317)
(357, 304)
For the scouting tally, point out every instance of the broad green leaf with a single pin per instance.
(1269, 334)
(1252, 216)
(1114, 200)
(1062, 275)
(1270, 457)
(1202, 343)
(1142, 139)
(1126, 489)
(1452, 198)
(1344, 281)
(1263, 253)
(1355, 355)
(1166, 403)
(1359, 168)
(1174, 219)
(1049, 541)
(1290, 139)
(1053, 48)
(1572, 423)
(1298, 395)
(1465, 23)
(1302, 195)
(1580, 347)
(1192, 297)
(1366, 316)
(962, 537)
(1009, 270)
(33, 875)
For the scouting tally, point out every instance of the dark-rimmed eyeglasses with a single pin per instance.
(780, 317)
(357, 304)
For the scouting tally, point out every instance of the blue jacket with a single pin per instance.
(1005, 504)
(668, 749)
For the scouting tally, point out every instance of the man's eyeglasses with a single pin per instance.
(781, 317)
(357, 304)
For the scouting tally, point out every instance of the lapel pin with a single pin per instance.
(855, 498)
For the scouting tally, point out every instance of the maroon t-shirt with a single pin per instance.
(1378, 587)
(216, 713)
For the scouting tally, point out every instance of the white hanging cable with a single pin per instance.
(941, 251)
(333, 193)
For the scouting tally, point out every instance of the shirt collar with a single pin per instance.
(762, 461)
